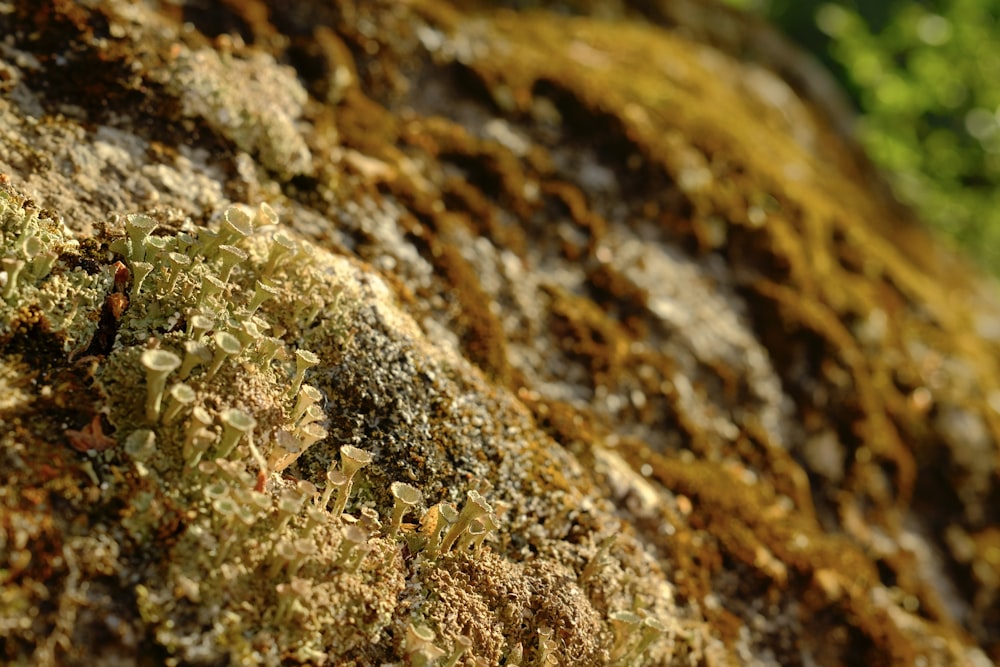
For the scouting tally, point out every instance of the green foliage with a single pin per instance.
(926, 78)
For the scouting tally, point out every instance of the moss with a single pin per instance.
(480, 329)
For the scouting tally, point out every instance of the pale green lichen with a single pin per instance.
(66, 297)
(252, 102)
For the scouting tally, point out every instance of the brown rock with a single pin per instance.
(610, 275)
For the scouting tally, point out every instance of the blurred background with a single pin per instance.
(925, 79)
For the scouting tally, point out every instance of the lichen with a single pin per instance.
(251, 102)
(44, 277)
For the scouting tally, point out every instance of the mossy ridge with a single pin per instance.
(830, 231)
(779, 237)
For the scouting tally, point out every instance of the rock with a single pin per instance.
(662, 372)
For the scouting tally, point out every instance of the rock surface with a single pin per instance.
(605, 284)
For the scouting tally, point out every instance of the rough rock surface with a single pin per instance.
(606, 279)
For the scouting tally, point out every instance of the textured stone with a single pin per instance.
(610, 284)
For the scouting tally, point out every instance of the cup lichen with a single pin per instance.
(352, 459)
(226, 345)
(405, 497)
(236, 425)
(138, 227)
(158, 364)
(181, 396)
(304, 360)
